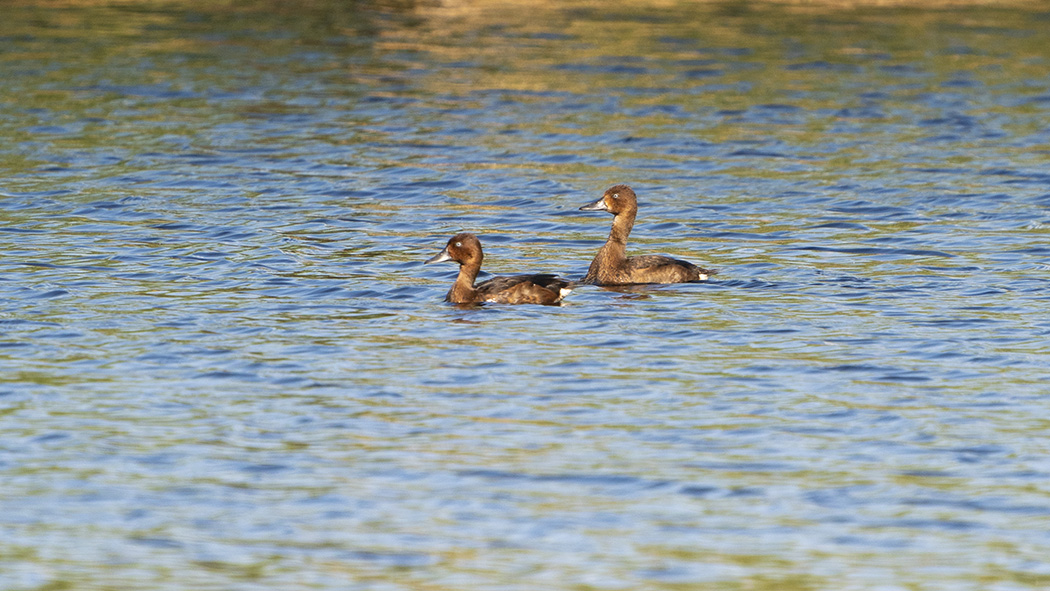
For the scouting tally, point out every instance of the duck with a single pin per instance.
(612, 266)
(465, 249)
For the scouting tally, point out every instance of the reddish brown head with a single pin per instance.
(617, 199)
(463, 248)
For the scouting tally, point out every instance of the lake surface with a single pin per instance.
(224, 366)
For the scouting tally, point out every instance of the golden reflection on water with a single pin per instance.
(757, 54)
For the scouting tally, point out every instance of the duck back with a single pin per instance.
(649, 268)
(524, 289)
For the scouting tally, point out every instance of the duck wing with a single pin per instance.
(524, 289)
(655, 268)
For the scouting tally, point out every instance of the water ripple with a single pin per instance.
(224, 358)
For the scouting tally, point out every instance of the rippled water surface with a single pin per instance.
(224, 366)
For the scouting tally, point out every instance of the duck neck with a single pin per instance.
(621, 228)
(463, 289)
(613, 253)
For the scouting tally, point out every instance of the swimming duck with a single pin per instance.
(465, 249)
(612, 267)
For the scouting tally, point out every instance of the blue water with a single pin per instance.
(224, 366)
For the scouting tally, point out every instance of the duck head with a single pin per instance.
(615, 200)
(464, 248)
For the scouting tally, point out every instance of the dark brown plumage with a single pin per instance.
(465, 249)
(612, 266)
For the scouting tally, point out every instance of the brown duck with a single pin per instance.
(465, 249)
(613, 267)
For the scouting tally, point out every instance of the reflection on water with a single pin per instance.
(224, 365)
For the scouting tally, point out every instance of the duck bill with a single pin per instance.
(439, 257)
(598, 205)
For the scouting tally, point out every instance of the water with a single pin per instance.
(225, 367)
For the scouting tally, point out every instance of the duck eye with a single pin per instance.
(459, 244)
(616, 195)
